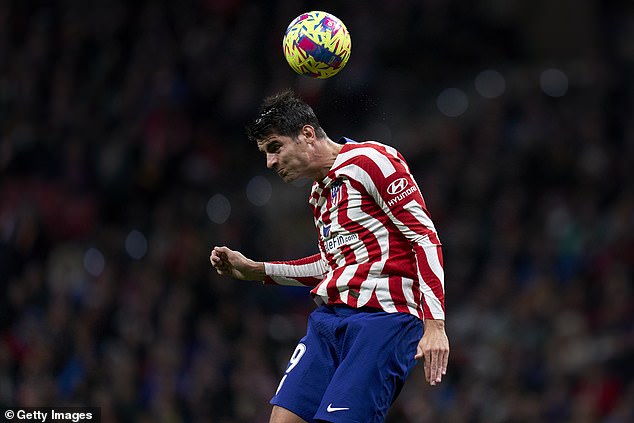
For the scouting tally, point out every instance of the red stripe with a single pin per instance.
(370, 241)
(304, 280)
(396, 292)
(374, 301)
(307, 281)
(331, 289)
(300, 262)
(430, 279)
(359, 276)
(406, 258)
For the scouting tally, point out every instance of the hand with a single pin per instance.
(434, 348)
(232, 263)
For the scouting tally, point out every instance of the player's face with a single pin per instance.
(287, 156)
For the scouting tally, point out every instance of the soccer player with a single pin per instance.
(378, 279)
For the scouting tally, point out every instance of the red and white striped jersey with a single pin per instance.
(378, 245)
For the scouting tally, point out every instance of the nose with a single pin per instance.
(271, 160)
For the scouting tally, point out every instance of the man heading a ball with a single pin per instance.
(378, 277)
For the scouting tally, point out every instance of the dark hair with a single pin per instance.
(284, 114)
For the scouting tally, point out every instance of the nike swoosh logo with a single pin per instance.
(330, 408)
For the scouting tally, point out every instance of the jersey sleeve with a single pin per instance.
(308, 271)
(394, 189)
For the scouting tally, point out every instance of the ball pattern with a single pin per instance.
(317, 44)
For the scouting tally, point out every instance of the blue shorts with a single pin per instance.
(350, 366)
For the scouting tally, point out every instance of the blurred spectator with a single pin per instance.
(120, 122)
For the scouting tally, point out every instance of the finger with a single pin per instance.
(221, 250)
(219, 256)
(445, 362)
(426, 367)
(419, 353)
(215, 261)
(221, 266)
(434, 372)
(436, 366)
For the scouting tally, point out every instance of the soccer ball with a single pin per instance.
(317, 44)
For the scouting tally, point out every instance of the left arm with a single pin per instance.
(397, 193)
(394, 190)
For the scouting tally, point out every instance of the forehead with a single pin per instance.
(269, 139)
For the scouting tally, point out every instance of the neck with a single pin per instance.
(325, 157)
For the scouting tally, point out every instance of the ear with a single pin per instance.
(309, 133)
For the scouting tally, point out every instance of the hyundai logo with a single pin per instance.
(397, 186)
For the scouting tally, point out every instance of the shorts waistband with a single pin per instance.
(347, 310)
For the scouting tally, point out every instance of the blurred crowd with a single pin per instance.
(123, 161)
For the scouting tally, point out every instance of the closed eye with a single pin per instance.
(273, 148)
(270, 146)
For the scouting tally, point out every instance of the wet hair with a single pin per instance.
(284, 114)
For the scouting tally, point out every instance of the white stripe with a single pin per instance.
(316, 269)
(341, 283)
(431, 251)
(357, 215)
(419, 214)
(417, 211)
(368, 286)
(407, 285)
(343, 279)
(387, 159)
(315, 194)
(283, 280)
(384, 164)
(376, 281)
(391, 150)
(322, 288)
(382, 283)
(435, 307)
(359, 174)
(335, 230)
(354, 214)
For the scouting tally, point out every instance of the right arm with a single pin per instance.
(308, 271)
(232, 263)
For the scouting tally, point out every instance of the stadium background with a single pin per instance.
(123, 161)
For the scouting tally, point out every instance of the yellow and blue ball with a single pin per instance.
(317, 44)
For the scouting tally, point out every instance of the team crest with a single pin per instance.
(335, 192)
